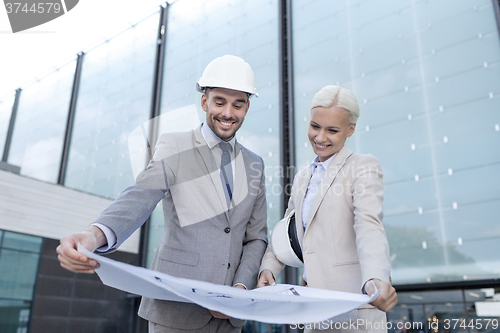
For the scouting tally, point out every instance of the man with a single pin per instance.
(213, 192)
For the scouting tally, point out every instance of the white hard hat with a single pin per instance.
(285, 244)
(229, 72)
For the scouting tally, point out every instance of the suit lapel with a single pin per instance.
(210, 166)
(334, 168)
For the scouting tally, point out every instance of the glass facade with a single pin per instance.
(198, 32)
(6, 105)
(426, 76)
(114, 98)
(17, 281)
(40, 126)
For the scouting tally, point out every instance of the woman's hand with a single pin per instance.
(266, 279)
(387, 298)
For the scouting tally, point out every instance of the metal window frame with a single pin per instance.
(153, 134)
(451, 285)
(287, 146)
(71, 116)
(496, 6)
(10, 130)
(155, 112)
(35, 285)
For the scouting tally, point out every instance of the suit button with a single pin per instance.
(228, 265)
(227, 230)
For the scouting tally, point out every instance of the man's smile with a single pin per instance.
(226, 124)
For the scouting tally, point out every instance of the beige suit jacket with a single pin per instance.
(344, 244)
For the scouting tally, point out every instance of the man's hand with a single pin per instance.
(266, 279)
(74, 261)
(387, 298)
(219, 315)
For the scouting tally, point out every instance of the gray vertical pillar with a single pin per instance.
(287, 146)
(69, 122)
(141, 325)
(158, 72)
(12, 122)
(496, 6)
(155, 112)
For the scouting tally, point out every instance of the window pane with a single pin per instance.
(15, 241)
(40, 125)
(14, 316)
(114, 98)
(426, 78)
(17, 274)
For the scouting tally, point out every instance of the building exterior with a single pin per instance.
(426, 74)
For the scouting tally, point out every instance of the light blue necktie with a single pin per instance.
(226, 171)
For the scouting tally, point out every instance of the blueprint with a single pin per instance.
(279, 304)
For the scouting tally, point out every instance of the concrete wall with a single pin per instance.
(66, 302)
(37, 208)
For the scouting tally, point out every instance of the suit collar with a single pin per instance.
(200, 140)
(341, 157)
(212, 139)
(325, 164)
(240, 172)
(331, 173)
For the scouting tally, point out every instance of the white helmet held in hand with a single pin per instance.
(285, 244)
(229, 72)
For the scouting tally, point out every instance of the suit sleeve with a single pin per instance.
(371, 240)
(255, 241)
(136, 203)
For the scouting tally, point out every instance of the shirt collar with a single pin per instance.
(212, 139)
(324, 164)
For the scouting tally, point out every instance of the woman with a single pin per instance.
(337, 202)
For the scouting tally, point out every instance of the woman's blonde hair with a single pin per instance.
(337, 96)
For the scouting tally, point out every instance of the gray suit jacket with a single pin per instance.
(202, 239)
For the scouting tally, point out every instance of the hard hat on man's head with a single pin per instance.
(229, 72)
